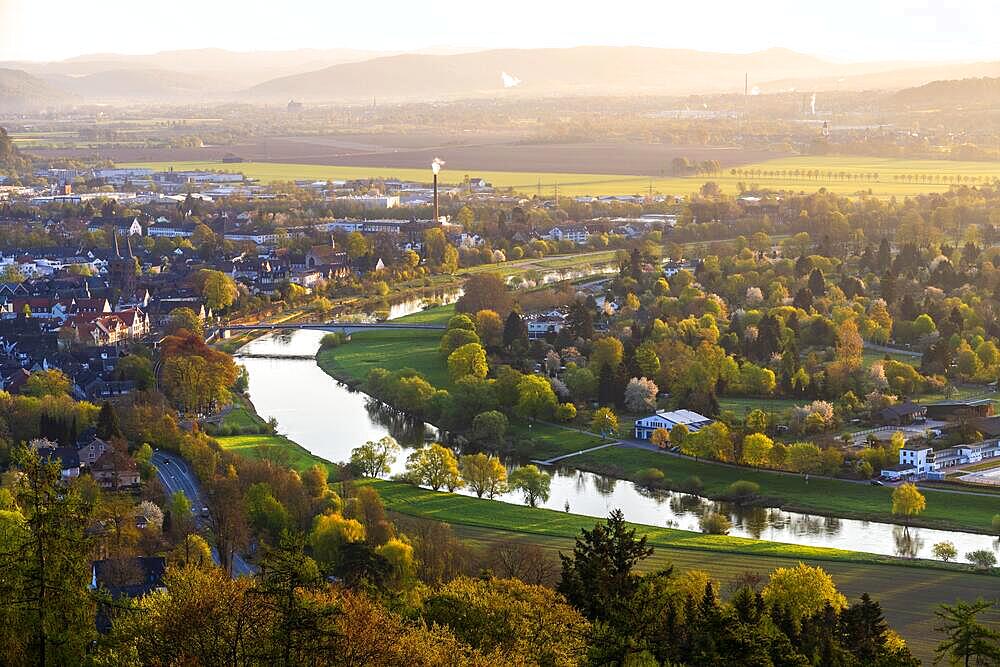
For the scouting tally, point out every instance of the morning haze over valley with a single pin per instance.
(527, 334)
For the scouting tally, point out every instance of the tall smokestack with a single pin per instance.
(436, 165)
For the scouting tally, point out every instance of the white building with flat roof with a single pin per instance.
(667, 420)
(925, 462)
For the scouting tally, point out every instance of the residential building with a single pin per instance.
(115, 470)
(924, 462)
(542, 324)
(578, 234)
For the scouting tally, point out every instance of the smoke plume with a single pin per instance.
(436, 165)
(509, 80)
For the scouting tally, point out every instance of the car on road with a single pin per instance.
(204, 512)
(877, 482)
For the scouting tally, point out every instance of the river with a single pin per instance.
(328, 419)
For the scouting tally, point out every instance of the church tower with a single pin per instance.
(123, 268)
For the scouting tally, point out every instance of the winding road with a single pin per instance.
(175, 475)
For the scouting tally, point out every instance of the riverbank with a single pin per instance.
(351, 363)
(792, 492)
(479, 512)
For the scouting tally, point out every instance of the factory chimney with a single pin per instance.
(436, 167)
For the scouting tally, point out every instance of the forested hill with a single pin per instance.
(957, 92)
(20, 90)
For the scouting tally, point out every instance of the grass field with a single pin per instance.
(387, 349)
(276, 448)
(818, 496)
(742, 406)
(551, 441)
(782, 173)
(908, 595)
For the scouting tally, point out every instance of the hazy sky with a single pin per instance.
(843, 30)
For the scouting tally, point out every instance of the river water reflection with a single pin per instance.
(328, 419)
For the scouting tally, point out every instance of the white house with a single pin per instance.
(644, 427)
(925, 462)
(578, 234)
(543, 324)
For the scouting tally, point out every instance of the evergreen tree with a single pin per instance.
(599, 576)
(514, 330)
(817, 283)
(884, 259)
(45, 564)
(606, 386)
(108, 426)
(580, 320)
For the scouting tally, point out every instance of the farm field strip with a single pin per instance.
(781, 173)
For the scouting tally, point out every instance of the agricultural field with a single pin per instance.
(881, 177)
(908, 595)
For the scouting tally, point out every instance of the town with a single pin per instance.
(354, 357)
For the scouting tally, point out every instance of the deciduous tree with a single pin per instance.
(485, 475)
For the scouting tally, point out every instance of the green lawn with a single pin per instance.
(390, 349)
(908, 595)
(819, 496)
(276, 448)
(551, 441)
(242, 417)
(741, 406)
(869, 357)
(783, 173)
(436, 315)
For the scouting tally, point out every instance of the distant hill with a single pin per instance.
(895, 77)
(597, 70)
(961, 92)
(230, 70)
(136, 85)
(20, 90)
(581, 70)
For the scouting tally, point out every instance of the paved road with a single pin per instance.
(176, 475)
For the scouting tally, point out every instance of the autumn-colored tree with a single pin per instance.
(512, 618)
(604, 421)
(485, 475)
(535, 398)
(803, 590)
(907, 501)
(50, 382)
(485, 291)
(607, 351)
(532, 483)
(467, 361)
(489, 326)
(218, 289)
(435, 466)
(375, 458)
(756, 449)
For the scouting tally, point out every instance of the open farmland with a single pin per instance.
(881, 177)
(908, 595)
